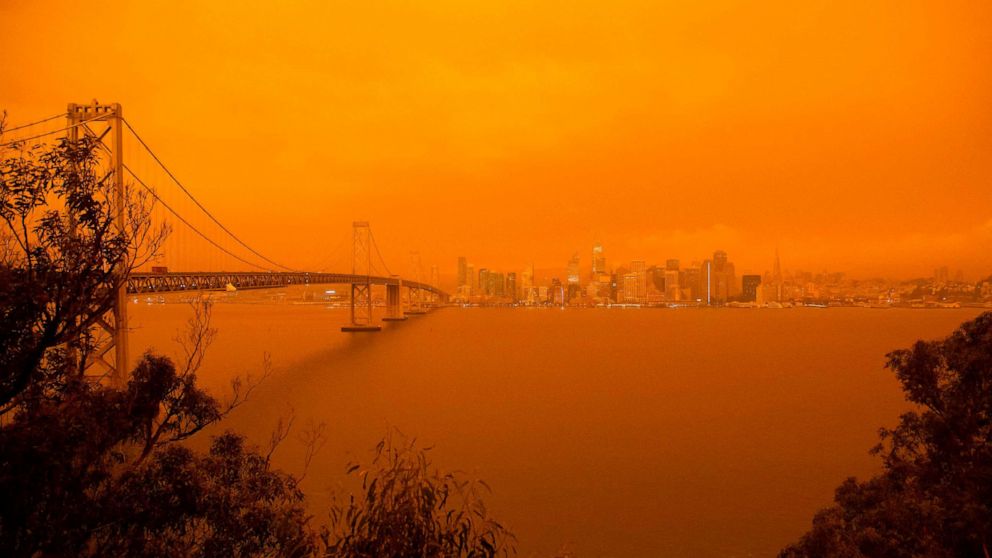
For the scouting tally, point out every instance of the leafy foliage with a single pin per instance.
(68, 244)
(934, 497)
(76, 482)
(88, 469)
(410, 509)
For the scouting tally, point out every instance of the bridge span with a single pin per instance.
(105, 129)
(138, 283)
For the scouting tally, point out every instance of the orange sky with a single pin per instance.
(856, 136)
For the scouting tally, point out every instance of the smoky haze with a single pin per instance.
(851, 136)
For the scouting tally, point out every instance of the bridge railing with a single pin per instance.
(139, 283)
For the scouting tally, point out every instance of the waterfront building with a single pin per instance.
(751, 285)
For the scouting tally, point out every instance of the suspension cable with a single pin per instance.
(154, 194)
(51, 132)
(35, 123)
(152, 191)
(197, 202)
(376, 246)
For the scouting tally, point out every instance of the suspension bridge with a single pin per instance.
(204, 254)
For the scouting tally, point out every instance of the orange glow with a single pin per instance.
(854, 136)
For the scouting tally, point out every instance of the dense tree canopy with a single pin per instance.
(89, 469)
(934, 497)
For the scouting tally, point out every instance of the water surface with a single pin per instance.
(649, 432)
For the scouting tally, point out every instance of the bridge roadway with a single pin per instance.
(138, 283)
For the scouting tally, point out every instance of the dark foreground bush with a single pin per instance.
(934, 497)
(89, 470)
(407, 508)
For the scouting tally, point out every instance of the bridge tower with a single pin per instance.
(435, 284)
(361, 286)
(97, 121)
(417, 293)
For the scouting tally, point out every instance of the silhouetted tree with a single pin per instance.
(88, 469)
(65, 254)
(934, 497)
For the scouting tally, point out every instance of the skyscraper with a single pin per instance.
(573, 270)
(638, 268)
(598, 261)
(672, 290)
(719, 260)
(777, 278)
(573, 290)
(689, 280)
(462, 271)
(706, 282)
(484, 282)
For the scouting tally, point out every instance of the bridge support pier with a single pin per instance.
(394, 305)
(416, 303)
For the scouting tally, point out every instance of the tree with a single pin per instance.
(65, 254)
(934, 497)
(88, 469)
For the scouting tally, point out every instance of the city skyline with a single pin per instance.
(713, 280)
(587, 268)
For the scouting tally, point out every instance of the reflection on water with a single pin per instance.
(616, 432)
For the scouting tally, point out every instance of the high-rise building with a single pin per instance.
(598, 261)
(511, 285)
(484, 282)
(722, 278)
(528, 290)
(462, 271)
(496, 284)
(633, 287)
(706, 282)
(689, 282)
(473, 280)
(672, 290)
(672, 265)
(750, 285)
(638, 268)
(573, 270)
(719, 260)
(777, 277)
(656, 278)
(557, 294)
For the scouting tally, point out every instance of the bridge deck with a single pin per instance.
(211, 281)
